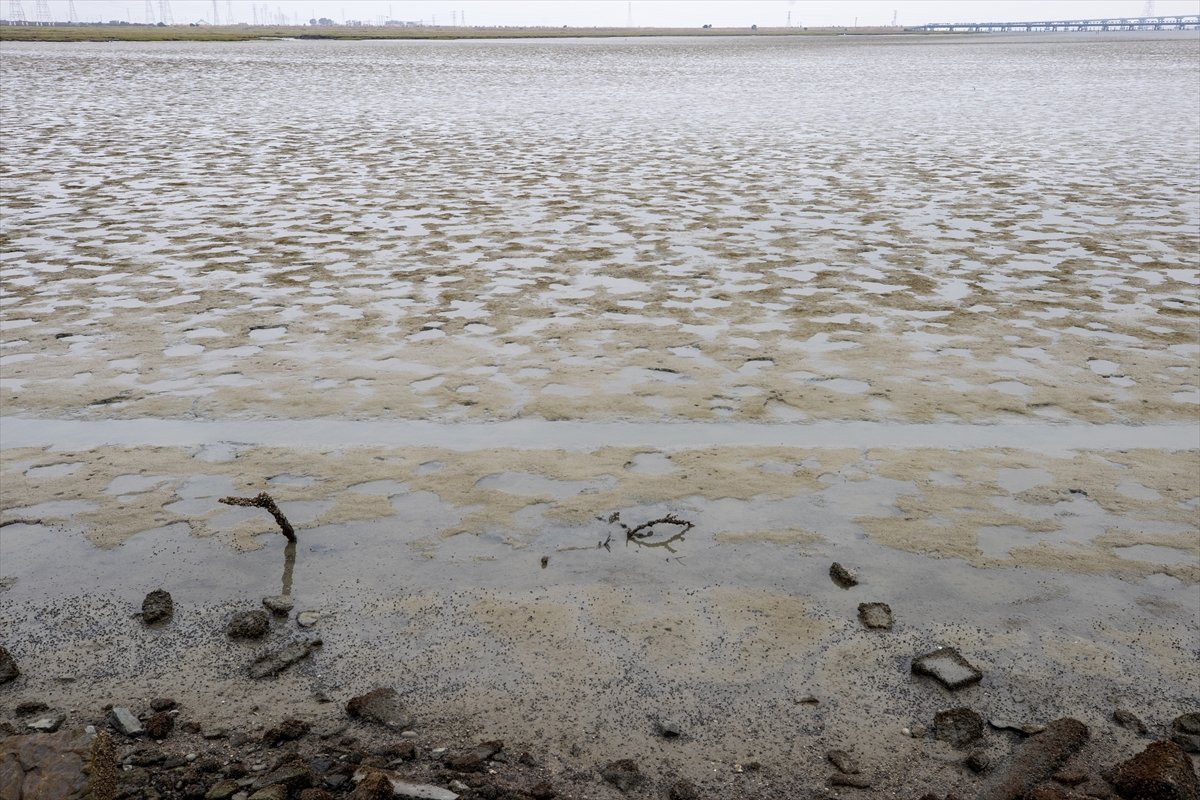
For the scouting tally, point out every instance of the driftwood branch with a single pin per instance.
(638, 534)
(263, 500)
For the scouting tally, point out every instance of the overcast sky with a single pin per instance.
(653, 13)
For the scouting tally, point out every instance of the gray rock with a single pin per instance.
(157, 607)
(124, 721)
(278, 660)
(947, 666)
(1128, 720)
(276, 791)
(978, 761)
(842, 576)
(306, 619)
(876, 615)
(843, 761)
(248, 625)
(381, 706)
(293, 776)
(623, 774)
(683, 790)
(8, 667)
(29, 708)
(48, 724)
(222, 790)
(1185, 732)
(959, 726)
(667, 729)
(280, 605)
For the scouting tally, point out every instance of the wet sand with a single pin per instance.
(965, 366)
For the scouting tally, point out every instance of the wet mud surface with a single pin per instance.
(970, 324)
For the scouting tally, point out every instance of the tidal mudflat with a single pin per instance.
(927, 308)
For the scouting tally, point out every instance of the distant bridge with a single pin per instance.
(1189, 22)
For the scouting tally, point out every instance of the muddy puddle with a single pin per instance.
(767, 291)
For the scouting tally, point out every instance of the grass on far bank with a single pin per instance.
(241, 33)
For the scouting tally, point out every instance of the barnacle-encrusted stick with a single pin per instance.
(263, 500)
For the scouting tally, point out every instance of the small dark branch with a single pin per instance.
(647, 528)
(263, 500)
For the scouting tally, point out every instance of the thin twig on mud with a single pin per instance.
(263, 500)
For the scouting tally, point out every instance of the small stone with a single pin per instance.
(248, 625)
(409, 734)
(807, 699)
(280, 605)
(222, 790)
(331, 729)
(458, 786)
(48, 724)
(853, 781)
(1163, 771)
(876, 615)
(29, 708)
(475, 760)
(381, 706)
(843, 761)
(545, 561)
(8, 666)
(124, 721)
(293, 776)
(918, 731)
(157, 607)
(842, 576)
(947, 666)
(958, 726)
(373, 786)
(1023, 728)
(1128, 720)
(978, 761)
(623, 774)
(667, 729)
(160, 725)
(275, 791)
(1071, 777)
(288, 730)
(403, 750)
(277, 661)
(162, 704)
(683, 790)
(306, 619)
(214, 733)
(1185, 731)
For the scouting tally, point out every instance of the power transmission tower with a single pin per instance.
(894, 13)
(71, 15)
(216, 20)
(16, 14)
(164, 12)
(229, 12)
(629, 15)
(41, 12)
(149, 12)
(1148, 9)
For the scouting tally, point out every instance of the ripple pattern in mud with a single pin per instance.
(721, 229)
